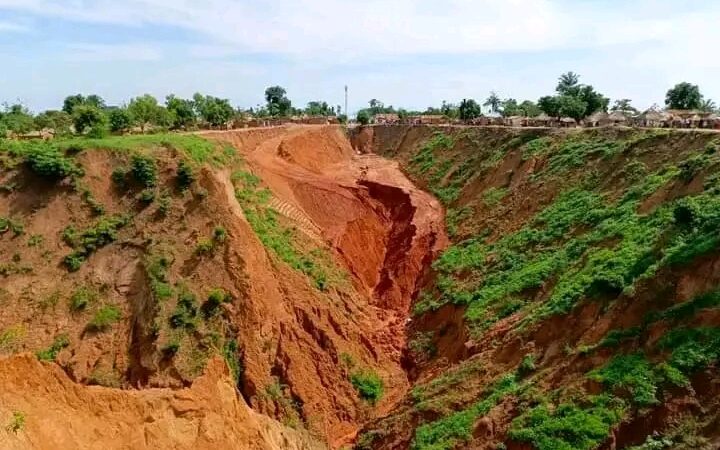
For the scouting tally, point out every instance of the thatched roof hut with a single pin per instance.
(597, 119)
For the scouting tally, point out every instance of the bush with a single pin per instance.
(185, 311)
(185, 175)
(88, 241)
(568, 426)
(47, 161)
(17, 423)
(119, 177)
(50, 353)
(147, 196)
(104, 318)
(219, 234)
(368, 384)
(527, 365)
(82, 298)
(216, 297)
(144, 170)
(204, 247)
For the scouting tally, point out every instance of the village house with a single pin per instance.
(386, 119)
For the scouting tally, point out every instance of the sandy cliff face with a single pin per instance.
(60, 413)
(316, 291)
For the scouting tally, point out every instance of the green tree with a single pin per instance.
(683, 96)
(277, 102)
(624, 106)
(144, 111)
(550, 105)
(509, 107)
(469, 109)
(493, 102)
(72, 101)
(119, 119)
(87, 117)
(58, 121)
(182, 112)
(594, 101)
(528, 108)
(571, 106)
(17, 119)
(318, 108)
(707, 105)
(568, 84)
(363, 117)
(213, 110)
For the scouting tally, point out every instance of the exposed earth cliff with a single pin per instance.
(387, 287)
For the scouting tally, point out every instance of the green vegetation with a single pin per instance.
(493, 196)
(216, 297)
(567, 243)
(186, 310)
(87, 241)
(633, 373)
(450, 431)
(368, 385)
(231, 354)
(9, 224)
(17, 422)
(51, 352)
(568, 426)
(157, 266)
(144, 170)
(185, 175)
(11, 338)
(280, 239)
(83, 297)
(104, 317)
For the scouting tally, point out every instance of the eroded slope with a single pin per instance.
(578, 305)
(130, 262)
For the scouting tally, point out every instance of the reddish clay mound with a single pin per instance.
(62, 414)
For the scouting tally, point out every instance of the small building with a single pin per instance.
(543, 120)
(598, 119)
(516, 121)
(617, 118)
(387, 119)
(568, 122)
(653, 118)
(433, 119)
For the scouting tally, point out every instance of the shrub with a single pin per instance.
(146, 196)
(171, 348)
(632, 373)
(185, 311)
(231, 354)
(568, 426)
(368, 384)
(204, 247)
(50, 353)
(47, 161)
(91, 239)
(119, 177)
(104, 318)
(144, 170)
(164, 204)
(219, 235)
(17, 423)
(185, 175)
(216, 297)
(82, 298)
(527, 365)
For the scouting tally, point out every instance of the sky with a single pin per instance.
(409, 53)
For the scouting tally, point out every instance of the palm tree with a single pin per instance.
(708, 105)
(493, 102)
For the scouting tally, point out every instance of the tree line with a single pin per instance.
(571, 99)
(91, 115)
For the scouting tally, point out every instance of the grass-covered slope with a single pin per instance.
(586, 265)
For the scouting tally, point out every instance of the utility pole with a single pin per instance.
(346, 110)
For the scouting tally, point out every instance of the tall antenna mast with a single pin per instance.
(346, 110)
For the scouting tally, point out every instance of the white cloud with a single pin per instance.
(111, 52)
(350, 29)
